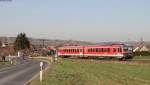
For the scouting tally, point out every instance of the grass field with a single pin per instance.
(4, 63)
(72, 72)
(141, 57)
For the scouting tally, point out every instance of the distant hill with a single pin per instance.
(48, 42)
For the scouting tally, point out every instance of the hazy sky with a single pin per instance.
(90, 20)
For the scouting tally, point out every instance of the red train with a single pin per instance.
(120, 51)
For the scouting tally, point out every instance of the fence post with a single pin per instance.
(41, 71)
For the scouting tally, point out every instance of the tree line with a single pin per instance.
(21, 43)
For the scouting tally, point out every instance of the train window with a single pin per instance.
(80, 50)
(119, 50)
(105, 49)
(102, 50)
(97, 50)
(72, 50)
(130, 49)
(108, 49)
(66, 50)
(94, 49)
(69, 50)
(114, 49)
(89, 50)
(75, 50)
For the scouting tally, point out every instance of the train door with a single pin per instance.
(115, 51)
(81, 53)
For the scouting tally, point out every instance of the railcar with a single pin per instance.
(104, 50)
(120, 51)
(68, 51)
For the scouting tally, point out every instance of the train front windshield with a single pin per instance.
(128, 48)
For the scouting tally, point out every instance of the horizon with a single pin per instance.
(92, 21)
(79, 40)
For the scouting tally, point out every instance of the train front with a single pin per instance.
(128, 51)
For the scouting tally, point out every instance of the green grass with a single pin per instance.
(141, 57)
(68, 72)
(4, 63)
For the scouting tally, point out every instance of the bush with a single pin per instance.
(143, 53)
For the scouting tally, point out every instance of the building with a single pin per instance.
(141, 46)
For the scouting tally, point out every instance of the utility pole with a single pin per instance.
(141, 41)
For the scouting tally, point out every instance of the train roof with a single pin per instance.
(71, 47)
(92, 45)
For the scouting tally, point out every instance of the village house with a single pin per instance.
(141, 46)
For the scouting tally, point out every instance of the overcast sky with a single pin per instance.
(89, 20)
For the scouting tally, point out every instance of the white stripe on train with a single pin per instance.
(116, 55)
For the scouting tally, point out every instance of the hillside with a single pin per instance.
(49, 42)
(56, 42)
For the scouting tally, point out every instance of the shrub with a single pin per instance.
(142, 53)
